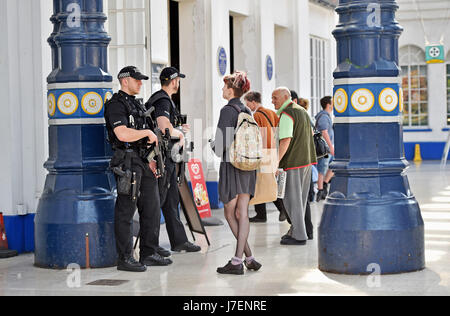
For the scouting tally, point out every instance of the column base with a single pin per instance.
(62, 221)
(355, 234)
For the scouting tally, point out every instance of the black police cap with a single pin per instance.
(170, 73)
(133, 72)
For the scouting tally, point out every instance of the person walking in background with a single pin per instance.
(304, 103)
(324, 124)
(236, 187)
(296, 154)
(267, 120)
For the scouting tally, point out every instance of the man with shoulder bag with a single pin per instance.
(324, 125)
(296, 155)
(268, 122)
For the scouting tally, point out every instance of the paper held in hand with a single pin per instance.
(281, 180)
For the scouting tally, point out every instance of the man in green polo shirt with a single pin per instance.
(297, 154)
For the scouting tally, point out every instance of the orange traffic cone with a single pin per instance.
(4, 251)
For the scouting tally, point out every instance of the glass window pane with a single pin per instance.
(414, 82)
(414, 70)
(415, 108)
(405, 71)
(406, 120)
(423, 70)
(424, 95)
(423, 83)
(405, 82)
(414, 120)
(423, 120)
(448, 94)
(424, 108)
(405, 95)
(415, 95)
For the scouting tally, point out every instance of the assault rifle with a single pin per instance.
(180, 155)
(157, 152)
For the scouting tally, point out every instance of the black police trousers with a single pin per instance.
(170, 200)
(148, 206)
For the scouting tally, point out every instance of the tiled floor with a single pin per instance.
(286, 270)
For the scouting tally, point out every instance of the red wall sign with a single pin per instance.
(201, 197)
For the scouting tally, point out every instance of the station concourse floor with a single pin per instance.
(286, 271)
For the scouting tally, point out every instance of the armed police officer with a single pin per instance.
(171, 123)
(136, 171)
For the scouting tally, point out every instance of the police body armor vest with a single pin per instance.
(136, 120)
(158, 96)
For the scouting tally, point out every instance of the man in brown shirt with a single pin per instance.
(268, 120)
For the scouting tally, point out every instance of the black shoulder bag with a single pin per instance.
(322, 148)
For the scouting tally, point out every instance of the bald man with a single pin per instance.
(297, 154)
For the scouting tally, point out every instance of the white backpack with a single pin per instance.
(246, 151)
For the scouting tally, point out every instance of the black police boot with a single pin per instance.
(187, 247)
(156, 260)
(163, 252)
(130, 264)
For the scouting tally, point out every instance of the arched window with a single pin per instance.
(448, 89)
(415, 86)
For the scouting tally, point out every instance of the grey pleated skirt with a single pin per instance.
(233, 181)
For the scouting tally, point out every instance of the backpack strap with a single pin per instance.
(234, 106)
(318, 118)
(268, 119)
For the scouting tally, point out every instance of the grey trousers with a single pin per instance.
(297, 189)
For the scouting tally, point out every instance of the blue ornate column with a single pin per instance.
(371, 216)
(78, 197)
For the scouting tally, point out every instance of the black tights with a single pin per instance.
(236, 214)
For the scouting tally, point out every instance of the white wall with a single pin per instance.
(280, 29)
(322, 22)
(198, 65)
(25, 62)
(159, 31)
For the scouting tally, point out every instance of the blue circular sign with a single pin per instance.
(222, 61)
(269, 67)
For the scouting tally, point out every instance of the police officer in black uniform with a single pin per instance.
(168, 118)
(135, 170)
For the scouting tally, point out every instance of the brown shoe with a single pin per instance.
(231, 269)
(253, 265)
